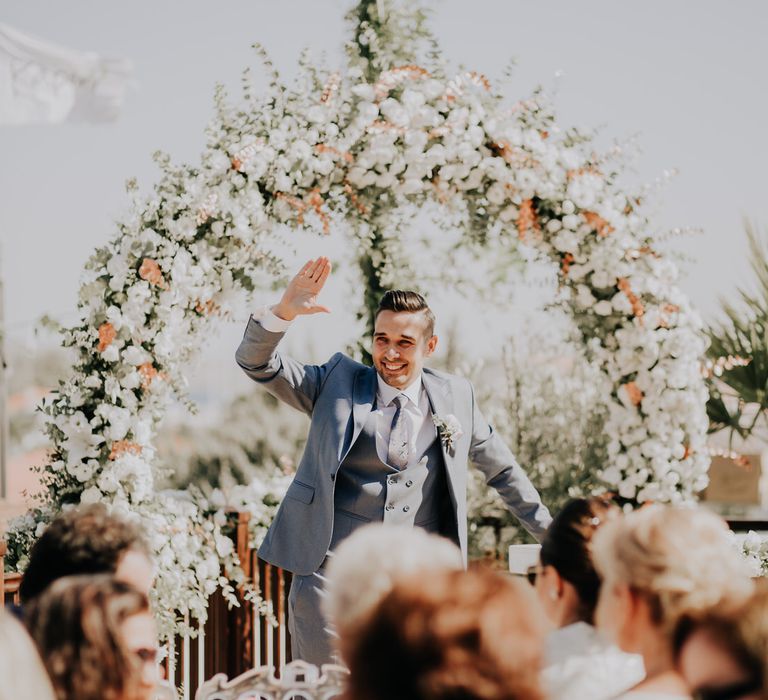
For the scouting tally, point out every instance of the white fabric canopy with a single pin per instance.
(46, 83)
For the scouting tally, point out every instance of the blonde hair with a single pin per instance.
(368, 563)
(21, 668)
(683, 560)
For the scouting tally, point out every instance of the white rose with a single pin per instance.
(603, 308)
(135, 355)
(91, 495)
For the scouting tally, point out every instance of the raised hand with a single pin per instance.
(300, 297)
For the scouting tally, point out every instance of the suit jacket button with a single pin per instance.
(406, 509)
(392, 480)
(390, 506)
(409, 483)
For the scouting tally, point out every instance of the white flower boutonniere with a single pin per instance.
(449, 429)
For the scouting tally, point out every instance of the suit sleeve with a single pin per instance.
(293, 382)
(492, 456)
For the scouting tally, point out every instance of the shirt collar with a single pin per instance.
(386, 392)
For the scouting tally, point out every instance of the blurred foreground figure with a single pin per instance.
(724, 655)
(97, 638)
(87, 540)
(461, 635)
(367, 565)
(579, 662)
(661, 565)
(23, 675)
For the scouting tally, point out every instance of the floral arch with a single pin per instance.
(393, 128)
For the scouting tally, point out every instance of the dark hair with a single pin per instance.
(467, 635)
(412, 302)
(85, 540)
(76, 624)
(567, 547)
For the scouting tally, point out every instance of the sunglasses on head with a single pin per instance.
(733, 691)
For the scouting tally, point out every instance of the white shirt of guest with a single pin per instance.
(421, 428)
(580, 665)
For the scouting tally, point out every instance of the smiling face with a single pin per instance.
(400, 345)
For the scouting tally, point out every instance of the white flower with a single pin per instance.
(111, 354)
(136, 356)
(603, 308)
(91, 495)
(448, 428)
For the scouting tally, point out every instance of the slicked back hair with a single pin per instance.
(412, 302)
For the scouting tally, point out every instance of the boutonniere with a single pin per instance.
(448, 428)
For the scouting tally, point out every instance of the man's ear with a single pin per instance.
(431, 345)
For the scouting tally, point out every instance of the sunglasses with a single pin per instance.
(733, 691)
(530, 575)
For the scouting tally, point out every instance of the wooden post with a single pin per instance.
(243, 618)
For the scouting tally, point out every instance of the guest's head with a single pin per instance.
(97, 639)
(567, 582)
(367, 564)
(403, 337)
(724, 654)
(659, 565)
(21, 670)
(454, 635)
(87, 540)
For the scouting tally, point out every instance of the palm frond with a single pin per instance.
(739, 349)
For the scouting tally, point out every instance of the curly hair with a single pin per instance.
(76, 626)
(458, 635)
(567, 547)
(681, 560)
(85, 540)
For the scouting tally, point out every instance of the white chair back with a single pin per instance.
(299, 680)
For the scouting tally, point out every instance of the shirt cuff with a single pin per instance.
(270, 322)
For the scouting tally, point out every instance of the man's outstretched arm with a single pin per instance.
(492, 456)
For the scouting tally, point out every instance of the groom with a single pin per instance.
(388, 443)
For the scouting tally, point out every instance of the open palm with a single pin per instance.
(300, 297)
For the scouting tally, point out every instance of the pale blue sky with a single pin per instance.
(689, 78)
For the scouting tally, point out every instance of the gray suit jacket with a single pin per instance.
(339, 395)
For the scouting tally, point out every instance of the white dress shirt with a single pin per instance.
(421, 429)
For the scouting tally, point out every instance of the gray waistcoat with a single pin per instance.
(369, 490)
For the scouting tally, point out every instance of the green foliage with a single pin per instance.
(738, 353)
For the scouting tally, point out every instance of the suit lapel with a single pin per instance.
(363, 396)
(441, 402)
